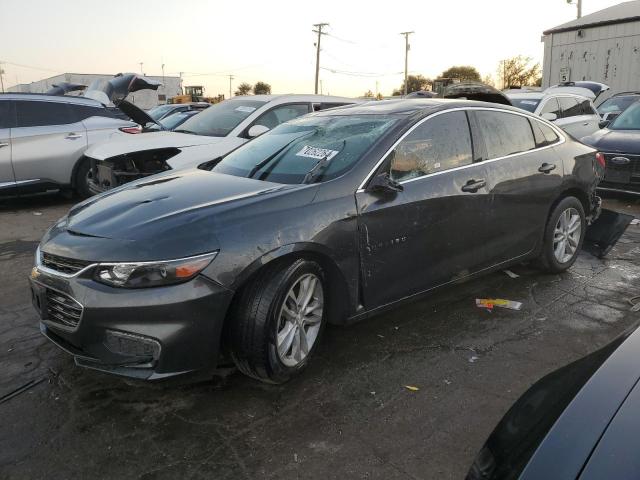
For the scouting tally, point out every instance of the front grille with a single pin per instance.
(62, 264)
(625, 173)
(63, 309)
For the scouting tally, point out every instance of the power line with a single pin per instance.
(21, 65)
(360, 74)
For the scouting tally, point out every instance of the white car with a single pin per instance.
(570, 108)
(212, 133)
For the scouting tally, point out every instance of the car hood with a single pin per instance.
(615, 141)
(148, 141)
(171, 215)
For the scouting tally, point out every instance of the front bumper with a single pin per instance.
(147, 333)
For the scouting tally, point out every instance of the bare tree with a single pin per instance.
(243, 89)
(518, 72)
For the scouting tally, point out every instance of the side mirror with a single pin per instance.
(552, 117)
(257, 130)
(603, 123)
(382, 183)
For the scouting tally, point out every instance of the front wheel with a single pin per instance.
(84, 176)
(563, 236)
(277, 321)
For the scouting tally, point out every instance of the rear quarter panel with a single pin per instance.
(580, 166)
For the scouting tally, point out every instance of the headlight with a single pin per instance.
(152, 274)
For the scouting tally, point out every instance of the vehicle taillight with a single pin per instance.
(136, 129)
(600, 159)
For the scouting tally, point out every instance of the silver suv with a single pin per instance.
(43, 139)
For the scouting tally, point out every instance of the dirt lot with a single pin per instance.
(349, 416)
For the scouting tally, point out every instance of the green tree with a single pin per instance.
(463, 72)
(243, 89)
(415, 83)
(518, 72)
(368, 94)
(262, 88)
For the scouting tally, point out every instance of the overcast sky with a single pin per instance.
(272, 41)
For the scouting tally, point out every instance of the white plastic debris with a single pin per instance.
(511, 274)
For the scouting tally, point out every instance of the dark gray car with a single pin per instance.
(332, 217)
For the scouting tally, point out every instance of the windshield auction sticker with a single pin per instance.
(317, 153)
(244, 109)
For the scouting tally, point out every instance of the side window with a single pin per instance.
(323, 106)
(544, 134)
(570, 107)
(7, 117)
(36, 114)
(438, 144)
(82, 112)
(551, 107)
(586, 108)
(504, 133)
(284, 113)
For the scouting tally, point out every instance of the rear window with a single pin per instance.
(7, 118)
(587, 108)
(617, 104)
(37, 114)
(82, 112)
(528, 104)
(505, 133)
(544, 135)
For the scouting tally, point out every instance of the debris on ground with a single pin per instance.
(635, 221)
(635, 303)
(511, 274)
(37, 214)
(489, 303)
(411, 388)
(473, 358)
(30, 384)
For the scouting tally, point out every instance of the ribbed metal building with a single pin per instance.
(603, 47)
(170, 87)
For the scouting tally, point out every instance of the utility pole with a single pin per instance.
(230, 79)
(319, 31)
(579, 8)
(141, 72)
(1, 79)
(406, 58)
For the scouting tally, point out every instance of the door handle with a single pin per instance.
(73, 136)
(546, 168)
(2, 144)
(473, 185)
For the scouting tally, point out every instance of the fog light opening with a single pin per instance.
(142, 349)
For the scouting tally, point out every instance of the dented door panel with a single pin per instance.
(429, 234)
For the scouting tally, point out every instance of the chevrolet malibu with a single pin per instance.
(329, 218)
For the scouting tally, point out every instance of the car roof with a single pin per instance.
(50, 98)
(296, 97)
(541, 95)
(411, 106)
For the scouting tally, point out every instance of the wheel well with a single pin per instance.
(570, 192)
(337, 298)
(74, 171)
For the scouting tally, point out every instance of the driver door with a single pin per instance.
(432, 232)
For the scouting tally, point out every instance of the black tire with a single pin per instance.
(82, 178)
(547, 260)
(254, 320)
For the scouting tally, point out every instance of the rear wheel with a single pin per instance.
(277, 321)
(84, 176)
(564, 235)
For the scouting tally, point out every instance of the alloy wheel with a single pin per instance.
(566, 235)
(299, 320)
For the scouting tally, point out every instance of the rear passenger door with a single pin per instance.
(7, 119)
(47, 141)
(524, 176)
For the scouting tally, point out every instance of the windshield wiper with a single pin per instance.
(256, 168)
(182, 130)
(319, 167)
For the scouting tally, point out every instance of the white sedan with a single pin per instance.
(212, 133)
(572, 112)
